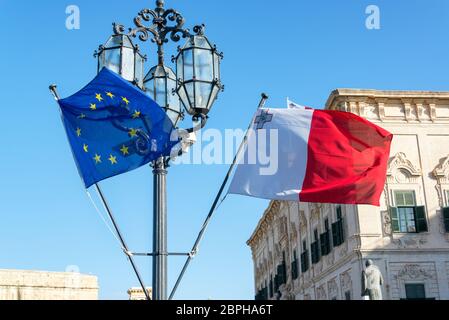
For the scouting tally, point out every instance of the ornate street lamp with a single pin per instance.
(195, 86)
(198, 73)
(160, 84)
(121, 56)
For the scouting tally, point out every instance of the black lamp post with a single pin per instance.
(195, 86)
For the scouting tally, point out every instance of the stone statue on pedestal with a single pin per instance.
(372, 281)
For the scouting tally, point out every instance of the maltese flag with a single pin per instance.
(309, 155)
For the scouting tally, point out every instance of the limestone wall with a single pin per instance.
(42, 285)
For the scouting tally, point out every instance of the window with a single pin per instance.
(348, 295)
(446, 218)
(262, 294)
(281, 276)
(295, 266)
(406, 216)
(304, 257)
(337, 229)
(415, 291)
(445, 212)
(325, 239)
(315, 248)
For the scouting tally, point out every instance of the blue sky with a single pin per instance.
(299, 49)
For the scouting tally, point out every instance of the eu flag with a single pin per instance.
(113, 127)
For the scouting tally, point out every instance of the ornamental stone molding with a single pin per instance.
(330, 258)
(315, 212)
(264, 224)
(282, 227)
(414, 272)
(386, 223)
(302, 221)
(441, 172)
(332, 288)
(343, 249)
(345, 280)
(402, 170)
(293, 232)
(321, 293)
(391, 105)
(410, 241)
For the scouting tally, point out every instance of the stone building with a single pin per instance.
(136, 293)
(43, 285)
(317, 251)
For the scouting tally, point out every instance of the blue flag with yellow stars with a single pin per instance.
(114, 127)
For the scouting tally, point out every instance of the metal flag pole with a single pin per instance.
(159, 230)
(215, 203)
(122, 240)
(111, 217)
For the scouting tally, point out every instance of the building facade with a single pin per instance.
(136, 293)
(44, 285)
(317, 251)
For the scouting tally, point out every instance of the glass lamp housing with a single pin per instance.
(160, 85)
(198, 74)
(119, 54)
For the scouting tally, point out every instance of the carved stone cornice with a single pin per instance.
(381, 105)
(264, 223)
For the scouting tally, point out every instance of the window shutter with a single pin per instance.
(315, 247)
(341, 231)
(323, 244)
(335, 234)
(295, 269)
(306, 254)
(284, 272)
(339, 215)
(338, 233)
(394, 219)
(446, 218)
(304, 261)
(421, 221)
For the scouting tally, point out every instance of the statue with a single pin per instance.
(372, 281)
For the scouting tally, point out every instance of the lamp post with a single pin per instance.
(194, 86)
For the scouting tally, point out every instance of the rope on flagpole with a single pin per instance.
(215, 204)
(111, 217)
(102, 217)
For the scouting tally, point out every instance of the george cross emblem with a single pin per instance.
(263, 118)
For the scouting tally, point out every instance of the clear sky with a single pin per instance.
(299, 49)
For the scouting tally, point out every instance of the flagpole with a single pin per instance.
(111, 216)
(215, 203)
(122, 240)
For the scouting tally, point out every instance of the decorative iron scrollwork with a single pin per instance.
(159, 30)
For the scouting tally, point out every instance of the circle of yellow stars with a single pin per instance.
(124, 150)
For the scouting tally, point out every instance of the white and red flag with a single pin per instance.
(321, 156)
